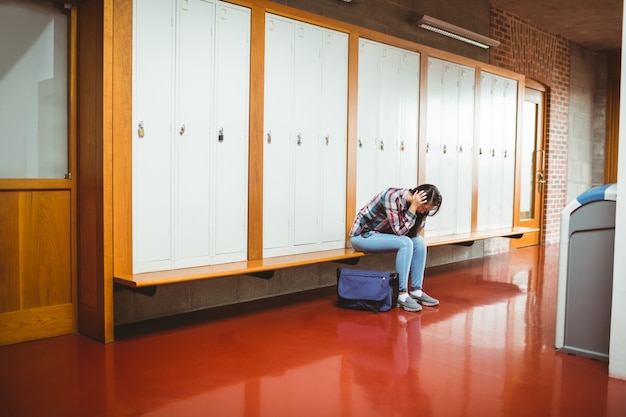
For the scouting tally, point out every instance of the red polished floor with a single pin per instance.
(486, 351)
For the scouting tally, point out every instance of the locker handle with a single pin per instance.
(382, 144)
(493, 152)
(402, 146)
(460, 148)
(327, 138)
(140, 130)
(269, 136)
(182, 130)
(299, 141)
(427, 147)
(505, 153)
(445, 149)
(360, 143)
(220, 135)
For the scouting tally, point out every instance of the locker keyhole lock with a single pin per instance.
(427, 147)
(299, 140)
(445, 149)
(140, 130)
(269, 136)
(182, 130)
(493, 153)
(327, 139)
(505, 153)
(402, 147)
(460, 148)
(220, 135)
(360, 143)
(382, 145)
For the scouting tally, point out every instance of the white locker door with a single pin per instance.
(447, 148)
(434, 122)
(230, 133)
(277, 161)
(307, 89)
(463, 213)
(389, 119)
(409, 120)
(193, 132)
(367, 122)
(335, 125)
(484, 153)
(152, 121)
(496, 181)
(508, 163)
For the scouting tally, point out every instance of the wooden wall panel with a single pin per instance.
(35, 265)
(122, 112)
(35, 247)
(36, 323)
(257, 135)
(9, 252)
(95, 288)
(612, 117)
(45, 261)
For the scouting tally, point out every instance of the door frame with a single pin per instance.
(533, 92)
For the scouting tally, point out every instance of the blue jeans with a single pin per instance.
(410, 256)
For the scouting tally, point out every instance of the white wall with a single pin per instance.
(617, 348)
(580, 150)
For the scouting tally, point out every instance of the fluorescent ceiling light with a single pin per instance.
(455, 32)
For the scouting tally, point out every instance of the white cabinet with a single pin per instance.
(449, 144)
(190, 133)
(387, 127)
(304, 160)
(496, 151)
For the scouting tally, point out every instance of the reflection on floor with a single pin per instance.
(487, 350)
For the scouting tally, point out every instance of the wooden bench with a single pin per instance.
(264, 268)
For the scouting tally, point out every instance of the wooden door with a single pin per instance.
(532, 160)
(37, 188)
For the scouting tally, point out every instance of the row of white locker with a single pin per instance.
(191, 73)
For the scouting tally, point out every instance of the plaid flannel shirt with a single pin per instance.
(387, 212)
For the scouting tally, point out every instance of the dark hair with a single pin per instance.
(433, 196)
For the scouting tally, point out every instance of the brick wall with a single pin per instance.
(544, 57)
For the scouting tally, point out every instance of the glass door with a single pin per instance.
(533, 161)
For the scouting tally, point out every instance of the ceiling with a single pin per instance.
(594, 24)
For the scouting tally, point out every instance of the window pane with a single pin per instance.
(527, 189)
(33, 90)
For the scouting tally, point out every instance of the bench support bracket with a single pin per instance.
(149, 291)
(349, 261)
(263, 274)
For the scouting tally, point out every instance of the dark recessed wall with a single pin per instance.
(393, 17)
